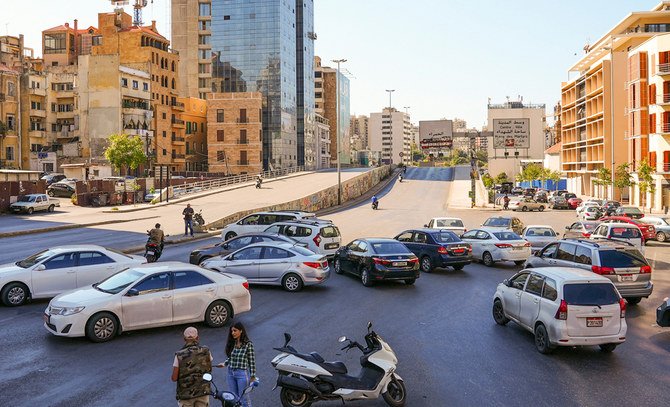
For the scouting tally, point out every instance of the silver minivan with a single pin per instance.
(320, 235)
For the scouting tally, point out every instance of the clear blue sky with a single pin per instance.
(445, 58)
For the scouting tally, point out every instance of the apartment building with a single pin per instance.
(10, 142)
(600, 121)
(326, 104)
(390, 133)
(358, 126)
(235, 132)
(195, 117)
(322, 132)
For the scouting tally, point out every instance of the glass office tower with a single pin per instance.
(267, 46)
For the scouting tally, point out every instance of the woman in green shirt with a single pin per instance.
(241, 361)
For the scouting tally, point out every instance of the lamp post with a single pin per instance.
(390, 91)
(337, 136)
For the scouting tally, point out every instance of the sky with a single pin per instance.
(444, 58)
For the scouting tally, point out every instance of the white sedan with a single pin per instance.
(453, 224)
(148, 296)
(539, 236)
(491, 245)
(53, 271)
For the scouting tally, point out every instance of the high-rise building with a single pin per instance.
(390, 132)
(358, 126)
(326, 83)
(264, 46)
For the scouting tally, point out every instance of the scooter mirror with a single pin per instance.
(342, 339)
(207, 377)
(369, 325)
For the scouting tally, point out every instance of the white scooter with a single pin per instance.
(307, 378)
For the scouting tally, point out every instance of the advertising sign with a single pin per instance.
(436, 142)
(511, 133)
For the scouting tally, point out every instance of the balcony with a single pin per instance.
(37, 91)
(663, 128)
(38, 113)
(663, 69)
(242, 162)
(664, 168)
(178, 123)
(178, 157)
(663, 100)
(178, 106)
(242, 141)
(178, 140)
(242, 120)
(65, 115)
(135, 104)
(37, 133)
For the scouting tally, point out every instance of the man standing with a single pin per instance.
(188, 219)
(190, 363)
(505, 202)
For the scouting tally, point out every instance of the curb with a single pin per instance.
(70, 226)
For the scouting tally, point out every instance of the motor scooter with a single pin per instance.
(375, 204)
(227, 398)
(259, 181)
(307, 378)
(152, 250)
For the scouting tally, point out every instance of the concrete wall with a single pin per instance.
(326, 198)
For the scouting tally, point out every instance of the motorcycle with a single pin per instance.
(199, 220)
(375, 204)
(258, 183)
(400, 178)
(227, 398)
(152, 250)
(307, 378)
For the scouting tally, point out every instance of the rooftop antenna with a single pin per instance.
(137, 8)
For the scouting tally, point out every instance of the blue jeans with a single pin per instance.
(238, 380)
(188, 224)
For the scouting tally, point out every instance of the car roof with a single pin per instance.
(494, 229)
(569, 274)
(600, 243)
(622, 225)
(77, 247)
(148, 268)
(447, 217)
(428, 230)
(311, 222)
(378, 240)
(538, 226)
(291, 212)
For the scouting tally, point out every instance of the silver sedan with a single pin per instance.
(274, 263)
(539, 236)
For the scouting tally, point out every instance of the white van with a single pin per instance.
(625, 232)
(320, 236)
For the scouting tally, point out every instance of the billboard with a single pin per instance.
(436, 142)
(511, 133)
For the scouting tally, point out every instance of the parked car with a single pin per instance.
(560, 192)
(526, 204)
(563, 306)
(541, 196)
(150, 196)
(629, 211)
(491, 245)
(622, 263)
(52, 178)
(590, 213)
(539, 236)
(60, 189)
(591, 203)
(661, 226)
(34, 203)
(377, 260)
(517, 191)
(558, 202)
(581, 229)
(500, 222)
(610, 207)
(453, 224)
(663, 313)
(274, 263)
(320, 236)
(529, 192)
(436, 248)
(574, 202)
(648, 231)
(259, 221)
(148, 296)
(52, 271)
(568, 195)
(224, 248)
(624, 232)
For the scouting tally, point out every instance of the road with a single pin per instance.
(451, 352)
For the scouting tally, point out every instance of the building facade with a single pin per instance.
(326, 83)
(195, 119)
(10, 128)
(323, 138)
(390, 133)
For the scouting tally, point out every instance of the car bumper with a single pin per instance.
(589, 340)
(645, 291)
(241, 304)
(194, 259)
(70, 326)
(455, 260)
(317, 277)
(395, 275)
(511, 255)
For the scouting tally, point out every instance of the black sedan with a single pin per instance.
(224, 248)
(376, 260)
(60, 189)
(437, 248)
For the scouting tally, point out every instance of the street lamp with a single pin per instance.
(390, 91)
(338, 124)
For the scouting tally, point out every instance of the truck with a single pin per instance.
(34, 202)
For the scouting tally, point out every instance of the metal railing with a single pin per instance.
(242, 141)
(178, 121)
(663, 68)
(665, 167)
(242, 120)
(200, 186)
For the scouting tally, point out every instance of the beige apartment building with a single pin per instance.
(391, 134)
(9, 108)
(191, 34)
(601, 116)
(195, 118)
(325, 104)
(235, 132)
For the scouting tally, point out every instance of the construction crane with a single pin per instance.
(137, 8)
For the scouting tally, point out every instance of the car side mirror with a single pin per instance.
(40, 267)
(506, 282)
(567, 228)
(342, 339)
(133, 292)
(425, 226)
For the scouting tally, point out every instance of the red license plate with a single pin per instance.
(459, 251)
(594, 322)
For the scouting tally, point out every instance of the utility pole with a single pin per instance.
(337, 136)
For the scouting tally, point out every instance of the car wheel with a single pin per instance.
(524, 209)
(365, 277)
(633, 300)
(661, 237)
(499, 313)
(519, 262)
(608, 347)
(426, 264)
(410, 281)
(337, 265)
(458, 267)
(292, 283)
(294, 398)
(101, 327)
(541, 208)
(30, 211)
(230, 235)
(14, 294)
(218, 314)
(542, 340)
(487, 259)
(52, 208)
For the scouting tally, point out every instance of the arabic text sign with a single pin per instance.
(511, 133)
(436, 142)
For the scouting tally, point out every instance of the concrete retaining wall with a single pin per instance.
(351, 189)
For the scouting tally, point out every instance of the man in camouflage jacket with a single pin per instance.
(190, 363)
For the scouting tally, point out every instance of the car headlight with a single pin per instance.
(65, 311)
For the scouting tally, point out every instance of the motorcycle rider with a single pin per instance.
(400, 177)
(375, 202)
(505, 202)
(190, 363)
(259, 180)
(157, 236)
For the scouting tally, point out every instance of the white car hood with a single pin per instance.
(80, 296)
(23, 203)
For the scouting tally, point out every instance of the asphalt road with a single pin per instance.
(451, 352)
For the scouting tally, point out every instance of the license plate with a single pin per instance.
(459, 251)
(332, 246)
(151, 253)
(594, 322)
(627, 277)
(399, 263)
(517, 248)
(47, 318)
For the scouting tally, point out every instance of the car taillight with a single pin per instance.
(503, 245)
(622, 307)
(312, 264)
(586, 234)
(602, 270)
(383, 262)
(317, 239)
(442, 250)
(413, 260)
(645, 270)
(245, 285)
(527, 244)
(562, 311)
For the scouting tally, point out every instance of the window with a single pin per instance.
(330, 231)
(593, 294)
(136, 85)
(240, 242)
(205, 9)
(353, 246)
(297, 231)
(566, 251)
(9, 153)
(65, 260)
(186, 279)
(250, 253)
(470, 235)
(271, 229)
(420, 238)
(219, 115)
(54, 43)
(154, 283)
(549, 292)
(534, 285)
(124, 82)
(519, 281)
(220, 156)
(164, 152)
(219, 135)
(145, 86)
(583, 255)
(318, 95)
(267, 219)
(275, 253)
(204, 68)
(204, 39)
(362, 247)
(10, 122)
(481, 235)
(93, 258)
(622, 258)
(11, 89)
(97, 40)
(226, 17)
(203, 53)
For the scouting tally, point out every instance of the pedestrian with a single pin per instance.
(188, 219)
(505, 202)
(241, 362)
(190, 363)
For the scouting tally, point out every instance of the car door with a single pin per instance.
(529, 306)
(574, 230)
(601, 231)
(486, 243)
(93, 267)
(421, 243)
(148, 303)
(512, 294)
(407, 238)
(193, 292)
(565, 255)
(273, 263)
(361, 256)
(471, 237)
(346, 256)
(59, 275)
(545, 257)
(244, 263)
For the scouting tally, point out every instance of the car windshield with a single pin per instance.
(302, 251)
(622, 258)
(540, 232)
(389, 248)
(449, 223)
(35, 258)
(506, 236)
(119, 281)
(631, 210)
(665, 220)
(625, 233)
(446, 237)
(590, 294)
(497, 222)
(330, 231)
(26, 198)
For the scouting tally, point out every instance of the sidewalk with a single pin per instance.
(458, 196)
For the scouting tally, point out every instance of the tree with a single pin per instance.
(125, 151)
(543, 176)
(646, 180)
(530, 173)
(487, 180)
(604, 177)
(622, 177)
(500, 178)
